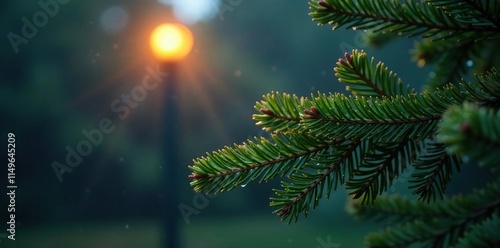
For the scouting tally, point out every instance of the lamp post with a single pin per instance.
(170, 43)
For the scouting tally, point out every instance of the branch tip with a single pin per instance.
(313, 111)
(284, 211)
(341, 61)
(196, 176)
(325, 4)
(266, 111)
(348, 57)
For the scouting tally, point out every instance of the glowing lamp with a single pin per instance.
(171, 42)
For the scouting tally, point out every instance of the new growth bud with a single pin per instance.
(284, 211)
(325, 4)
(312, 112)
(196, 176)
(266, 111)
(341, 61)
(348, 57)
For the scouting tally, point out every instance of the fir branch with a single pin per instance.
(278, 112)
(473, 132)
(414, 116)
(434, 169)
(419, 232)
(393, 16)
(307, 187)
(449, 220)
(380, 166)
(365, 141)
(232, 166)
(486, 90)
(475, 12)
(396, 208)
(449, 236)
(483, 234)
(364, 78)
(401, 209)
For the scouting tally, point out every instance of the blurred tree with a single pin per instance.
(366, 140)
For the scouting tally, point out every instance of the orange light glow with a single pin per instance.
(171, 42)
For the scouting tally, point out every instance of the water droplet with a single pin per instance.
(354, 28)
(469, 63)
(243, 185)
